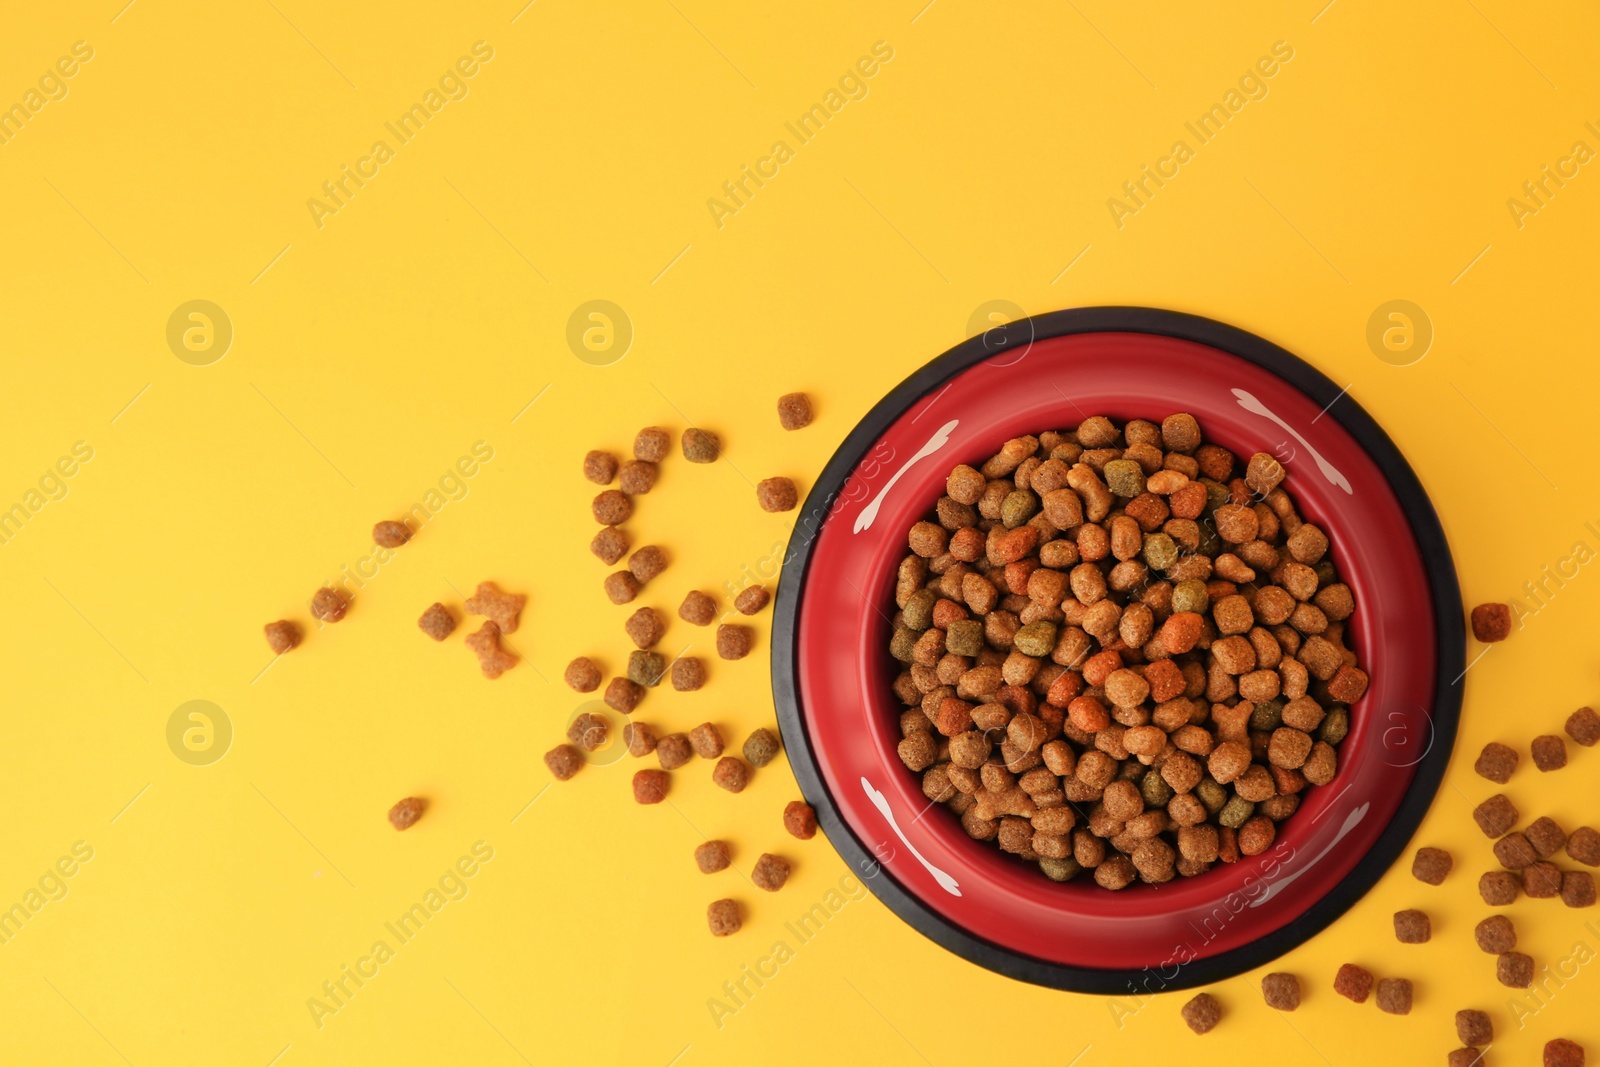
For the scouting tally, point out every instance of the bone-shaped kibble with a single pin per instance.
(494, 660)
(502, 607)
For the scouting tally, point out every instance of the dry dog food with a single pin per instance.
(600, 467)
(777, 494)
(1514, 969)
(734, 641)
(698, 609)
(1546, 836)
(652, 444)
(1563, 1052)
(1577, 889)
(1496, 815)
(610, 545)
(800, 819)
(583, 675)
(621, 587)
(646, 668)
(500, 607)
(794, 411)
(405, 814)
(329, 604)
(639, 737)
(1281, 991)
(701, 446)
(650, 785)
(1491, 622)
(437, 622)
(1541, 880)
(281, 635)
(1583, 726)
(712, 856)
(1499, 888)
(673, 751)
(1514, 852)
(611, 507)
(722, 916)
(752, 599)
(1353, 982)
(636, 477)
(1394, 995)
(1412, 927)
(770, 872)
(646, 563)
(761, 747)
(493, 659)
(1431, 865)
(391, 534)
(645, 627)
(623, 694)
(1474, 1027)
(1202, 1013)
(564, 761)
(1495, 935)
(1465, 1057)
(1134, 625)
(706, 740)
(688, 674)
(1583, 844)
(1549, 752)
(1496, 762)
(731, 773)
(588, 731)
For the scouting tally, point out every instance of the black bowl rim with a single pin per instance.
(1442, 582)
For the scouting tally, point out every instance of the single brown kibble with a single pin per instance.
(794, 411)
(1546, 836)
(1499, 888)
(1202, 1013)
(777, 494)
(611, 508)
(329, 604)
(502, 607)
(281, 635)
(1583, 845)
(1549, 752)
(1541, 880)
(701, 446)
(623, 695)
(405, 814)
(639, 737)
(1514, 969)
(621, 587)
(609, 545)
(600, 467)
(647, 562)
(698, 609)
(650, 785)
(712, 856)
(646, 668)
(751, 599)
(673, 751)
(722, 916)
(1577, 889)
(583, 675)
(1495, 816)
(652, 444)
(1412, 927)
(1514, 851)
(761, 747)
(1466, 1057)
(1353, 982)
(731, 773)
(734, 641)
(1495, 935)
(1583, 726)
(645, 627)
(1431, 865)
(1394, 995)
(688, 674)
(564, 761)
(1281, 991)
(437, 622)
(770, 872)
(800, 819)
(1474, 1027)
(1491, 622)
(588, 731)
(391, 534)
(636, 477)
(706, 740)
(493, 659)
(1563, 1052)
(1496, 762)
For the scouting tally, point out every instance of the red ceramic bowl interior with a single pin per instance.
(844, 672)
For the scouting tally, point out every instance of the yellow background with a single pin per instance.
(369, 354)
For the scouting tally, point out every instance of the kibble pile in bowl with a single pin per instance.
(1121, 652)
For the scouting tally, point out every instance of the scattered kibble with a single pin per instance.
(1499, 888)
(611, 507)
(706, 740)
(1546, 836)
(610, 545)
(1465, 1057)
(493, 659)
(734, 641)
(1394, 996)
(712, 856)
(1514, 969)
(1583, 845)
(1202, 1013)
(650, 785)
(501, 607)
(1412, 927)
(761, 747)
(639, 737)
(588, 731)
(564, 761)
(623, 694)
(405, 814)
(698, 609)
(646, 668)
(1577, 889)
(1495, 816)
(1495, 935)
(701, 446)
(1583, 726)
(282, 636)
(329, 604)
(752, 599)
(794, 411)
(647, 562)
(688, 674)
(673, 751)
(437, 621)
(1549, 752)
(583, 675)
(1541, 880)
(722, 916)
(1474, 1027)
(652, 444)
(1496, 762)
(600, 467)
(1491, 622)
(621, 587)
(770, 872)
(1281, 991)
(391, 534)
(1514, 852)
(1431, 865)
(1563, 1052)
(731, 773)
(777, 494)
(800, 819)
(636, 477)
(1353, 982)
(645, 627)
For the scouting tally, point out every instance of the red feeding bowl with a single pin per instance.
(832, 671)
